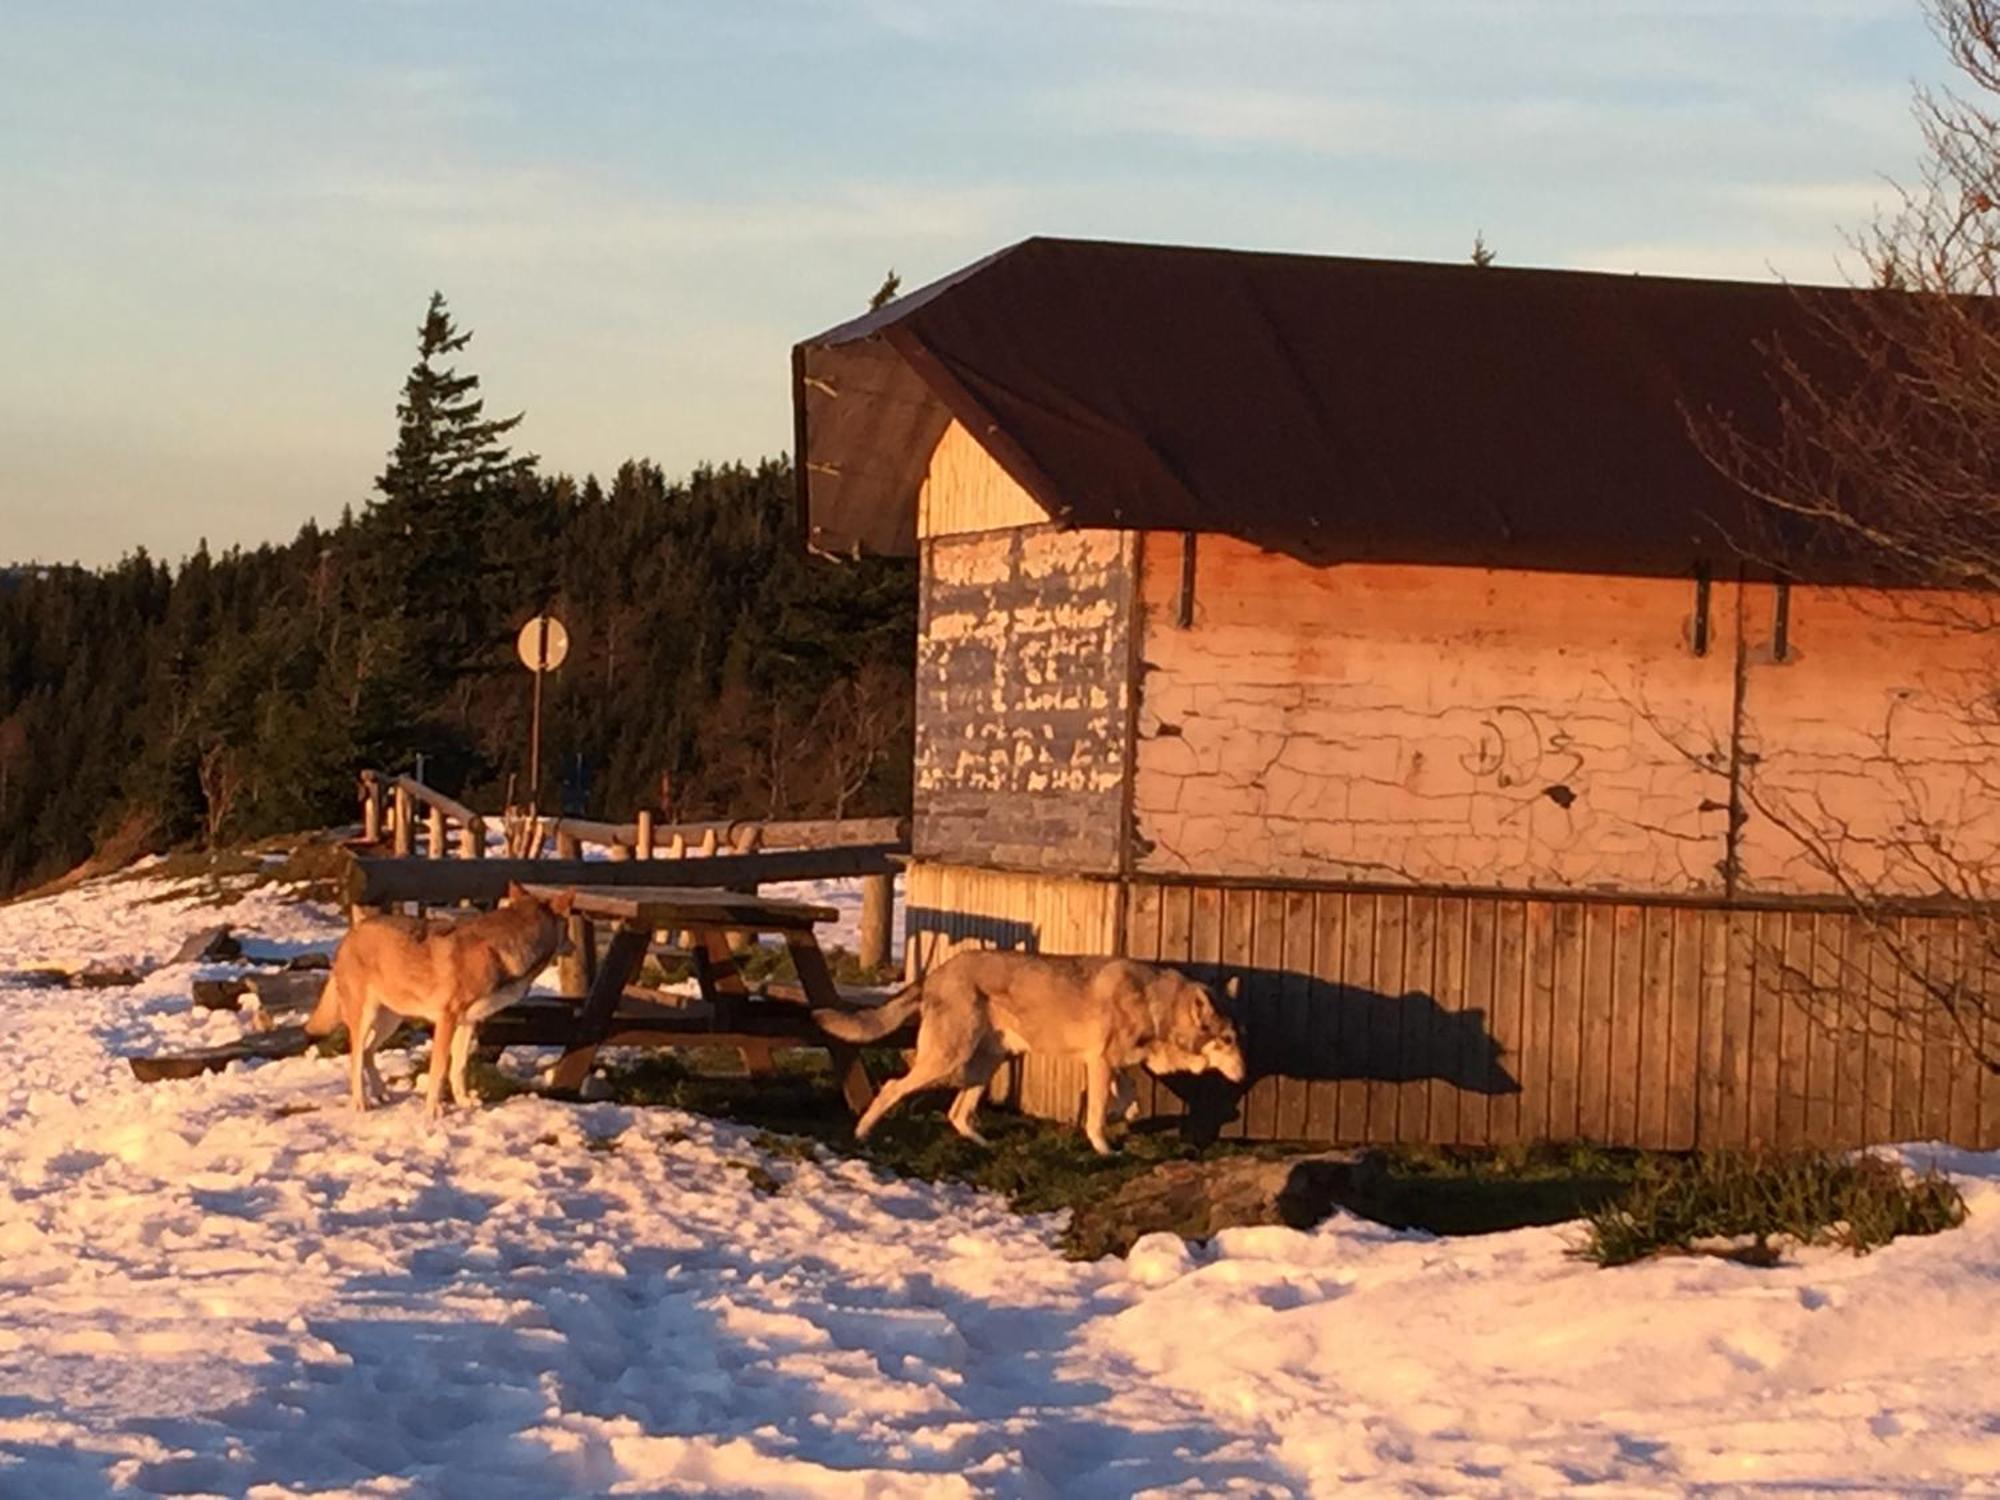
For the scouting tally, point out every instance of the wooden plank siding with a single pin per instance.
(1473, 1019)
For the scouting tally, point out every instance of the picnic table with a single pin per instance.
(730, 1014)
(611, 1012)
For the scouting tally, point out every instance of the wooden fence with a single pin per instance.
(1451, 1018)
(402, 815)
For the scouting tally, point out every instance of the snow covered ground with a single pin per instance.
(233, 1286)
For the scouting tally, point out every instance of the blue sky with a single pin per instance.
(219, 220)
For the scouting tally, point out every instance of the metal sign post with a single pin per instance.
(543, 645)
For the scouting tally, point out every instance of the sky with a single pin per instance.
(220, 220)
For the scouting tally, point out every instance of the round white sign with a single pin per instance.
(543, 644)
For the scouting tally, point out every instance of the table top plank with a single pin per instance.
(693, 907)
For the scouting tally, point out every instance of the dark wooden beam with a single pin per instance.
(443, 882)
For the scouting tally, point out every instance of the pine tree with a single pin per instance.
(449, 476)
(887, 292)
(1482, 254)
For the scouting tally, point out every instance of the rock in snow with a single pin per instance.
(233, 1286)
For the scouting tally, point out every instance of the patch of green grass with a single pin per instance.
(1810, 1198)
(1037, 1166)
(766, 963)
(489, 1084)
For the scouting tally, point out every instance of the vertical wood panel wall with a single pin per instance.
(1379, 1016)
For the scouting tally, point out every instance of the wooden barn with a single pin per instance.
(1377, 632)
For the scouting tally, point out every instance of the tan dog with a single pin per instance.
(978, 1008)
(451, 974)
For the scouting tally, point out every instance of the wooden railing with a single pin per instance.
(737, 853)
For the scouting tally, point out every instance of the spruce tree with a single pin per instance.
(448, 478)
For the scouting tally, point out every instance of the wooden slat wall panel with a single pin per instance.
(1823, 1031)
(1239, 929)
(1448, 1023)
(1936, 1109)
(1538, 1001)
(1415, 1000)
(1143, 907)
(1329, 957)
(1176, 939)
(1985, 973)
(1712, 1120)
(1600, 943)
(1272, 1035)
(1479, 1019)
(1792, 955)
(1385, 1032)
(1766, 1026)
(1655, 1024)
(1683, 1059)
(1566, 966)
(1964, 1031)
(1357, 1018)
(1298, 1008)
(1504, 1120)
(1738, 1028)
(1482, 925)
(1907, 1067)
(1628, 952)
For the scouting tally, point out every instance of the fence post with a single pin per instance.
(878, 910)
(405, 832)
(371, 809)
(574, 968)
(472, 839)
(643, 845)
(434, 826)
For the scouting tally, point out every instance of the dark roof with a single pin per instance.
(1328, 407)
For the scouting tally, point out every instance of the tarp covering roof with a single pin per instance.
(1328, 407)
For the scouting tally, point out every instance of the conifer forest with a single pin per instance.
(715, 666)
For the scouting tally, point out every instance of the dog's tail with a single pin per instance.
(325, 1017)
(873, 1024)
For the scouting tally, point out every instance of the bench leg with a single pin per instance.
(851, 1073)
(593, 1022)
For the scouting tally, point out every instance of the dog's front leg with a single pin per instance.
(443, 1035)
(461, 1055)
(360, 1037)
(1096, 1100)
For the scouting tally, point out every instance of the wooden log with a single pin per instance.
(431, 797)
(288, 1041)
(434, 831)
(371, 809)
(573, 968)
(381, 881)
(677, 846)
(642, 838)
(472, 839)
(404, 833)
(878, 910)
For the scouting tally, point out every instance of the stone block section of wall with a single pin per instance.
(1430, 726)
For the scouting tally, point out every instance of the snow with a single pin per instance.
(233, 1286)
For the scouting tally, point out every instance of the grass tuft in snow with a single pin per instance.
(1739, 1204)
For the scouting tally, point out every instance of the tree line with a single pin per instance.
(715, 668)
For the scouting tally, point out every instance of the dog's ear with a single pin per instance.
(561, 902)
(1234, 988)
(516, 893)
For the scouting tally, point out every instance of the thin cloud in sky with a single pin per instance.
(218, 224)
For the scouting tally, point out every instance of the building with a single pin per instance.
(1380, 633)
